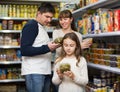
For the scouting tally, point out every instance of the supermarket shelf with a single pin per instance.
(9, 62)
(11, 80)
(10, 31)
(89, 6)
(105, 68)
(32, 1)
(16, 31)
(46, 0)
(18, 18)
(14, 18)
(99, 4)
(8, 47)
(103, 34)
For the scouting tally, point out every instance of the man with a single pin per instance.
(36, 50)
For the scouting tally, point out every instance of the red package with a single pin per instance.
(117, 20)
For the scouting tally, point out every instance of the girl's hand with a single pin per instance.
(70, 74)
(59, 74)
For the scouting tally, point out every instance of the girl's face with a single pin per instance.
(69, 46)
(65, 22)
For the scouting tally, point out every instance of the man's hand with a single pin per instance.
(52, 46)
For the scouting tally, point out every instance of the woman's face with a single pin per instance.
(65, 22)
(69, 46)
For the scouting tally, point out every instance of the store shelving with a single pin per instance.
(101, 3)
(8, 47)
(10, 31)
(107, 34)
(106, 68)
(12, 80)
(32, 1)
(111, 37)
(104, 36)
(9, 62)
(14, 18)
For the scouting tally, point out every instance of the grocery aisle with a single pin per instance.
(97, 19)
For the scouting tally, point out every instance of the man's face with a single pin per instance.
(44, 18)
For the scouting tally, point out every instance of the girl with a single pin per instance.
(75, 79)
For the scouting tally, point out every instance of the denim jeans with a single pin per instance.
(37, 83)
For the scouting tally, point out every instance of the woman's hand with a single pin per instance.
(86, 44)
(70, 74)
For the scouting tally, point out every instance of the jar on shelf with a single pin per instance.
(10, 25)
(4, 24)
(14, 42)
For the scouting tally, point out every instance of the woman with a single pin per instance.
(67, 25)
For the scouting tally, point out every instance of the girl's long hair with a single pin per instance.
(78, 51)
(67, 14)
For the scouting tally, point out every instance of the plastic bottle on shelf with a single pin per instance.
(18, 11)
(35, 10)
(2, 10)
(10, 12)
(5, 11)
(25, 11)
(32, 11)
(14, 10)
(57, 11)
(28, 11)
(21, 11)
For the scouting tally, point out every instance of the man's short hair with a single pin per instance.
(46, 7)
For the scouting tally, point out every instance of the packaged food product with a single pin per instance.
(107, 62)
(113, 63)
(10, 25)
(94, 45)
(4, 25)
(106, 57)
(108, 51)
(110, 21)
(117, 20)
(103, 19)
(58, 40)
(118, 64)
(64, 67)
